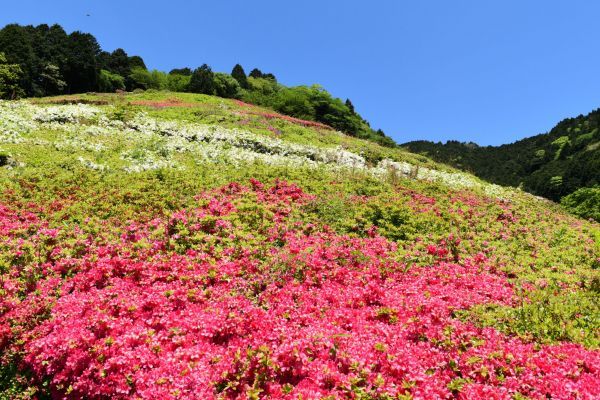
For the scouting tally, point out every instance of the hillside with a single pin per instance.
(160, 245)
(552, 164)
(38, 61)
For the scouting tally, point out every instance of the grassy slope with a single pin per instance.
(551, 258)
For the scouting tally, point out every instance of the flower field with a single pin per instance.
(174, 253)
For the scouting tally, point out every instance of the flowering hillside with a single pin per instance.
(155, 246)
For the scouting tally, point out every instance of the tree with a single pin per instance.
(81, 72)
(144, 79)
(50, 46)
(16, 44)
(178, 83)
(51, 81)
(118, 63)
(239, 75)
(109, 82)
(181, 71)
(136, 62)
(350, 106)
(203, 80)
(256, 73)
(226, 86)
(10, 75)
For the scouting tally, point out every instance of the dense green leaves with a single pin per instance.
(203, 80)
(584, 202)
(109, 82)
(227, 86)
(9, 79)
(239, 75)
(54, 62)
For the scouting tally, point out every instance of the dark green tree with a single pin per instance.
(350, 106)
(82, 70)
(118, 63)
(202, 80)
(136, 62)
(239, 75)
(256, 73)
(181, 71)
(16, 44)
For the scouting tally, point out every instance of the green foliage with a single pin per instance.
(226, 86)
(109, 82)
(311, 103)
(181, 71)
(257, 73)
(178, 82)
(10, 75)
(547, 316)
(145, 79)
(82, 69)
(239, 75)
(51, 80)
(260, 91)
(53, 62)
(560, 143)
(202, 80)
(584, 202)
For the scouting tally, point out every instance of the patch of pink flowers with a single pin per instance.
(212, 302)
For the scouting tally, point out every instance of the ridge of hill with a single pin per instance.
(185, 246)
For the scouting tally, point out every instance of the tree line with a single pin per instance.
(45, 60)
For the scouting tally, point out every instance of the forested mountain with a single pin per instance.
(44, 60)
(553, 164)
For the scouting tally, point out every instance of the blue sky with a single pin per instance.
(489, 71)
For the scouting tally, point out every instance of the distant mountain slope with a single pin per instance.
(552, 164)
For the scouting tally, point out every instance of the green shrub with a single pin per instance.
(584, 202)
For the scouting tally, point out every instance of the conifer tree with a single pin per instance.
(239, 75)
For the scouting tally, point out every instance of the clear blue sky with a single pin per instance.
(489, 71)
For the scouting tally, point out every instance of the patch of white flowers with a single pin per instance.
(77, 143)
(151, 144)
(144, 160)
(92, 165)
(456, 180)
(66, 114)
(182, 135)
(14, 121)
